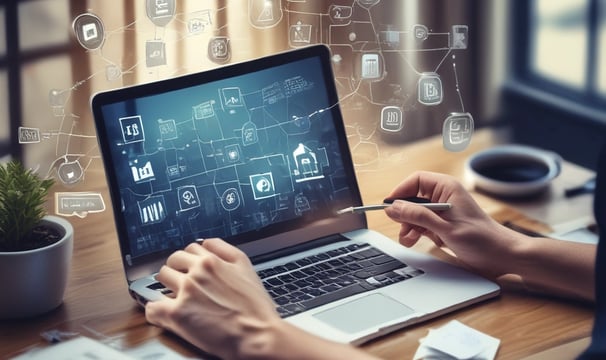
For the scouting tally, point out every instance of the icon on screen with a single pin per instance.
(132, 129)
(262, 185)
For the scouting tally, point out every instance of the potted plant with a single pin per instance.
(35, 248)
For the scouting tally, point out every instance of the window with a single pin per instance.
(33, 31)
(559, 36)
(566, 49)
(556, 96)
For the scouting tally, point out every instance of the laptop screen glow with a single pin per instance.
(229, 153)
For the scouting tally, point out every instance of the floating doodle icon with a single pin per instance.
(420, 32)
(155, 53)
(112, 72)
(457, 131)
(367, 4)
(299, 34)
(28, 135)
(264, 14)
(89, 31)
(371, 66)
(70, 172)
(57, 98)
(459, 37)
(392, 119)
(430, 89)
(340, 14)
(219, 49)
(79, 204)
(160, 12)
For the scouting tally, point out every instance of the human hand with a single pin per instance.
(475, 238)
(218, 302)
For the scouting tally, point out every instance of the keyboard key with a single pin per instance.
(379, 269)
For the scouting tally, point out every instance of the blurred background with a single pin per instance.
(534, 67)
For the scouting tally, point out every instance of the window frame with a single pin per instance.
(588, 95)
(570, 122)
(13, 61)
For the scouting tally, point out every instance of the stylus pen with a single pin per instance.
(388, 202)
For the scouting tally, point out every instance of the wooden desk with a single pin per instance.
(97, 303)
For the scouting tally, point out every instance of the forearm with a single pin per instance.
(282, 340)
(559, 267)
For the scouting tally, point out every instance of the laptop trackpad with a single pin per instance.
(363, 313)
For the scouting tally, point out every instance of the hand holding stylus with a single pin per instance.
(388, 201)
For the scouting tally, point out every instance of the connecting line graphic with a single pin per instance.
(352, 32)
(454, 70)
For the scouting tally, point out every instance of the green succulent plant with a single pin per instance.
(22, 197)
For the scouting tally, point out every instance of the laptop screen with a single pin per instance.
(240, 152)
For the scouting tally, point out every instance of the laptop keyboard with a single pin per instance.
(335, 274)
(319, 279)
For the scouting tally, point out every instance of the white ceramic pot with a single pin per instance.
(512, 170)
(34, 281)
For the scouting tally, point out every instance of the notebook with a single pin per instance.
(256, 153)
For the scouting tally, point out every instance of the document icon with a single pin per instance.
(457, 131)
(392, 119)
(430, 89)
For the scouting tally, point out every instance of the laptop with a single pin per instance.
(256, 153)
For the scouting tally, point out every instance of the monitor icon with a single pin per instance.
(457, 131)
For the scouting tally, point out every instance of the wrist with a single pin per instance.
(263, 340)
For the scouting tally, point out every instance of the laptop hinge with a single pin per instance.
(308, 245)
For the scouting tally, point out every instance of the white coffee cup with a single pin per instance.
(512, 170)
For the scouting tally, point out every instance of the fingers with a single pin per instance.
(415, 215)
(157, 312)
(224, 250)
(183, 260)
(169, 277)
